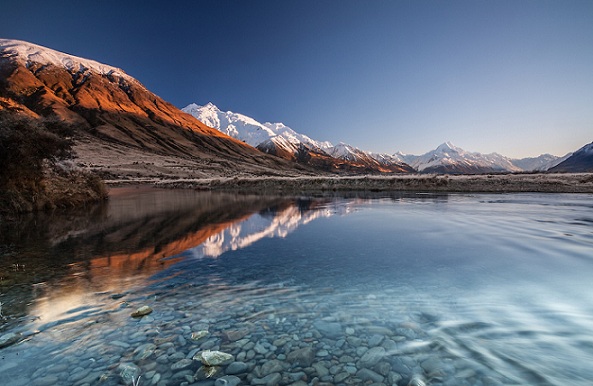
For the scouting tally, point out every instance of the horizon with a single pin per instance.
(507, 77)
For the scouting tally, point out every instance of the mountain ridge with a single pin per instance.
(114, 112)
(581, 161)
(282, 141)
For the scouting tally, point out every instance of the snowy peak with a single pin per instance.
(28, 54)
(448, 147)
(282, 141)
(247, 129)
(448, 158)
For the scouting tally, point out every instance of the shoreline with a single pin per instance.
(486, 183)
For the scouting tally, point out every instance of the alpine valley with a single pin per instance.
(126, 132)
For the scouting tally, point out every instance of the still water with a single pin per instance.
(398, 289)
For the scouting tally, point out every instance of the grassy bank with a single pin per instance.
(497, 183)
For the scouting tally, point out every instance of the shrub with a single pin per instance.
(29, 148)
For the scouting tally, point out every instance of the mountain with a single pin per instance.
(381, 162)
(581, 161)
(448, 158)
(540, 163)
(282, 141)
(120, 123)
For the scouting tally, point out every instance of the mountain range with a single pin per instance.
(126, 131)
(281, 140)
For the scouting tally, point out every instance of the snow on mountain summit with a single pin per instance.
(248, 129)
(448, 158)
(29, 53)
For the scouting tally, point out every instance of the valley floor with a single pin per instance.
(557, 183)
(121, 165)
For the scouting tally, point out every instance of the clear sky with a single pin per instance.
(515, 77)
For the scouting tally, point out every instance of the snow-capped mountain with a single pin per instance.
(581, 161)
(247, 129)
(448, 158)
(540, 163)
(378, 161)
(282, 141)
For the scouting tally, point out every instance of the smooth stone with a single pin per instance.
(119, 344)
(349, 331)
(142, 311)
(372, 357)
(273, 366)
(144, 351)
(431, 365)
(417, 380)
(407, 332)
(350, 370)
(235, 335)
(213, 358)
(78, 375)
(376, 340)
(163, 359)
(199, 334)
(260, 349)
(57, 368)
(329, 329)
(383, 368)
(269, 380)
(46, 381)
(322, 353)
(346, 359)
(354, 341)
(394, 378)
(183, 374)
(227, 380)
(156, 378)
(129, 372)
(341, 377)
(9, 339)
(293, 377)
(303, 356)
(280, 342)
(369, 375)
(320, 369)
(237, 368)
(181, 364)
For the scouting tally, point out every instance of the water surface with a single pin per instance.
(451, 289)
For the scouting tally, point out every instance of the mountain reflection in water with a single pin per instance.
(54, 263)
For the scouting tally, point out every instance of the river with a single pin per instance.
(390, 289)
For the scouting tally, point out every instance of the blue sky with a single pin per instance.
(515, 77)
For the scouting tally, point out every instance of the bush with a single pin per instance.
(29, 149)
(25, 144)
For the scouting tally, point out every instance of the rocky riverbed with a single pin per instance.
(274, 335)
